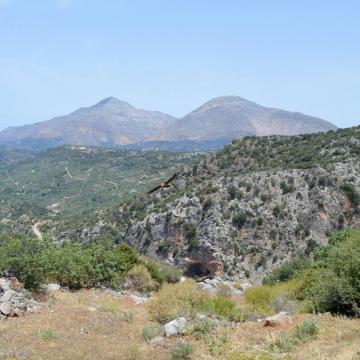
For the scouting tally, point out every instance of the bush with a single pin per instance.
(287, 187)
(176, 300)
(204, 327)
(351, 193)
(287, 270)
(35, 261)
(239, 220)
(269, 299)
(186, 300)
(208, 203)
(162, 272)
(141, 279)
(304, 331)
(181, 350)
(191, 233)
(329, 284)
(334, 283)
(151, 331)
(219, 307)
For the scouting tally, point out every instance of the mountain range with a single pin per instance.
(114, 123)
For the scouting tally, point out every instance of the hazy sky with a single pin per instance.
(173, 55)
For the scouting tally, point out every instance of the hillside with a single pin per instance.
(97, 324)
(243, 210)
(71, 180)
(114, 123)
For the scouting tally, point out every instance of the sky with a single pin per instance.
(173, 55)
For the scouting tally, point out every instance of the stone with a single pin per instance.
(51, 287)
(5, 309)
(278, 319)
(175, 327)
(245, 286)
(157, 341)
(14, 300)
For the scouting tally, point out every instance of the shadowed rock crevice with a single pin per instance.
(197, 270)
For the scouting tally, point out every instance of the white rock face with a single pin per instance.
(175, 327)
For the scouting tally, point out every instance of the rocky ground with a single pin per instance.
(103, 324)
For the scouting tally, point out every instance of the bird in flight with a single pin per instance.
(164, 184)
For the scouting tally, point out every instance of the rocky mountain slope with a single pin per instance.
(243, 210)
(112, 122)
(230, 117)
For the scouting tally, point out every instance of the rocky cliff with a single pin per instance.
(243, 210)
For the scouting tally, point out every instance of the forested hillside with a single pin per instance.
(70, 180)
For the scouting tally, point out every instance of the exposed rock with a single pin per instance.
(51, 287)
(175, 327)
(22, 224)
(245, 286)
(5, 309)
(92, 233)
(278, 319)
(13, 302)
(157, 341)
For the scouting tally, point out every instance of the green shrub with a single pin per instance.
(162, 272)
(141, 279)
(220, 307)
(287, 187)
(277, 211)
(351, 193)
(232, 191)
(35, 261)
(331, 283)
(175, 300)
(239, 220)
(304, 331)
(191, 233)
(181, 350)
(269, 299)
(208, 203)
(204, 327)
(151, 331)
(287, 270)
(334, 284)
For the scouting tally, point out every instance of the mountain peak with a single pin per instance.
(229, 100)
(112, 101)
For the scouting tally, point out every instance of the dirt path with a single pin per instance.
(36, 231)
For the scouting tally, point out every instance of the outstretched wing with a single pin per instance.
(154, 189)
(168, 181)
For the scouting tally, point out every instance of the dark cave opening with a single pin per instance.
(197, 270)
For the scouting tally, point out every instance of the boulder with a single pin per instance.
(278, 319)
(13, 299)
(5, 309)
(46, 288)
(175, 327)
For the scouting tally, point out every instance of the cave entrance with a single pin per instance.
(197, 270)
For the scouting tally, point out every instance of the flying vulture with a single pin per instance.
(164, 184)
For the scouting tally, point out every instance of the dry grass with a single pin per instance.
(91, 324)
(81, 325)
